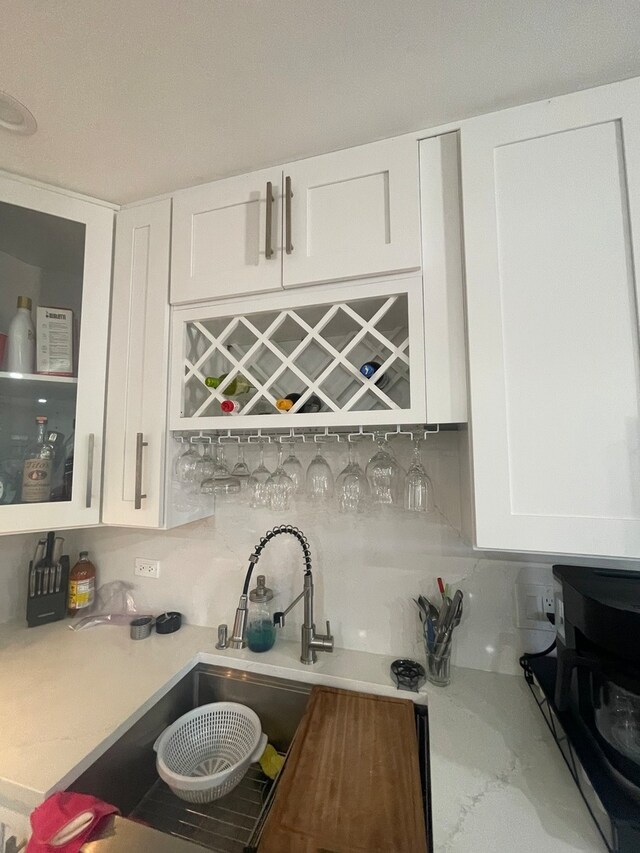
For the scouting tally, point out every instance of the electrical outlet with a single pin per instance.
(147, 568)
(533, 602)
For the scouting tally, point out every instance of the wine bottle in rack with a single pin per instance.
(284, 404)
(312, 405)
(230, 407)
(239, 385)
(234, 407)
(370, 368)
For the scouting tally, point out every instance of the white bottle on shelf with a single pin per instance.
(21, 346)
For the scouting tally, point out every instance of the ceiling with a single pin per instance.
(138, 97)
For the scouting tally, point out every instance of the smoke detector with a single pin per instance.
(15, 117)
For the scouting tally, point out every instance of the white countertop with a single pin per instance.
(499, 783)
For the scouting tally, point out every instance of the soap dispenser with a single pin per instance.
(261, 632)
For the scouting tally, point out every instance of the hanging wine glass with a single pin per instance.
(241, 469)
(186, 465)
(279, 487)
(257, 482)
(418, 490)
(319, 484)
(221, 469)
(385, 476)
(207, 463)
(352, 486)
(220, 481)
(293, 468)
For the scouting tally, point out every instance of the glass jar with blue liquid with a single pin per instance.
(261, 632)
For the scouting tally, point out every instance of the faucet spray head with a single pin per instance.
(239, 637)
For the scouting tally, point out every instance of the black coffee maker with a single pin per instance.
(598, 669)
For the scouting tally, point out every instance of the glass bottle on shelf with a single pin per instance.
(21, 355)
(82, 585)
(38, 466)
(261, 632)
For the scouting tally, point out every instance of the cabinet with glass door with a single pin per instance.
(55, 264)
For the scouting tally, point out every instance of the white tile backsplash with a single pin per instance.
(366, 569)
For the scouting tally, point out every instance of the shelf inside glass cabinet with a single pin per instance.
(37, 386)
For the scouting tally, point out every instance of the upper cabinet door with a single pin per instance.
(138, 368)
(552, 231)
(55, 257)
(351, 214)
(226, 238)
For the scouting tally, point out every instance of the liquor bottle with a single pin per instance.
(238, 385)
(82, 585)
(38, 464)
(370, 368)
(21, 355)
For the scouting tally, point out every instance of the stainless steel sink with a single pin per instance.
(126, 774)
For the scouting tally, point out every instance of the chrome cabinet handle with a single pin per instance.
(140, 443)
(268, 247)
(92, 440)
(287, 208)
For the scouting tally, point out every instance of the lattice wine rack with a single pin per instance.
(312, 343)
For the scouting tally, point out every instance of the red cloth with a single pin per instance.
(65, 821)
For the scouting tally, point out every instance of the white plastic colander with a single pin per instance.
(207, 751)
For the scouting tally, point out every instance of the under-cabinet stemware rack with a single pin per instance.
(306, 436)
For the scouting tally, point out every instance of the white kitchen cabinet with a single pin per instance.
(55, 248)
(353, 213)
(138, 489)
(226, 238)
(345, 215)
(552, 234)
(311, 341)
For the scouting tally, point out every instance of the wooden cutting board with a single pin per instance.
(351, 782)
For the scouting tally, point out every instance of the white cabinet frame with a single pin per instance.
(84, 508)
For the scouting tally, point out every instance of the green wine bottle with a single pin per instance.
(238, 385)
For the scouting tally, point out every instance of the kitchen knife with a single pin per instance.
(32, 581)
(55, 577)
(37, 559)
(47, 563)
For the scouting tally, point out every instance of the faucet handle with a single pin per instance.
(328, 630)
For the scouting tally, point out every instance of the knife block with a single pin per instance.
(49, 608)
